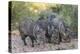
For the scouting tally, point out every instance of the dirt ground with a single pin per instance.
(18, 46)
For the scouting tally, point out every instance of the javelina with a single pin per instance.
(40, 35)
(26, 29)
(59, 23)
(44, 26)
(35, 30)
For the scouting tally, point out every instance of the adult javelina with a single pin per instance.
(26, 29)
(59, 23)
(35, 30)
(44, 26)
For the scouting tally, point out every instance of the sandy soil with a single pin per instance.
(18, 46)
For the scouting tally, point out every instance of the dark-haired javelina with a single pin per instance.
(44, 26)
(40, 35)
(35, 30)
(26, 29)
(62, 30)
(59, 23)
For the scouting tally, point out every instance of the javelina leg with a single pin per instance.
(32, 39)
(48, 38)
(23, 38)
(59, 39)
